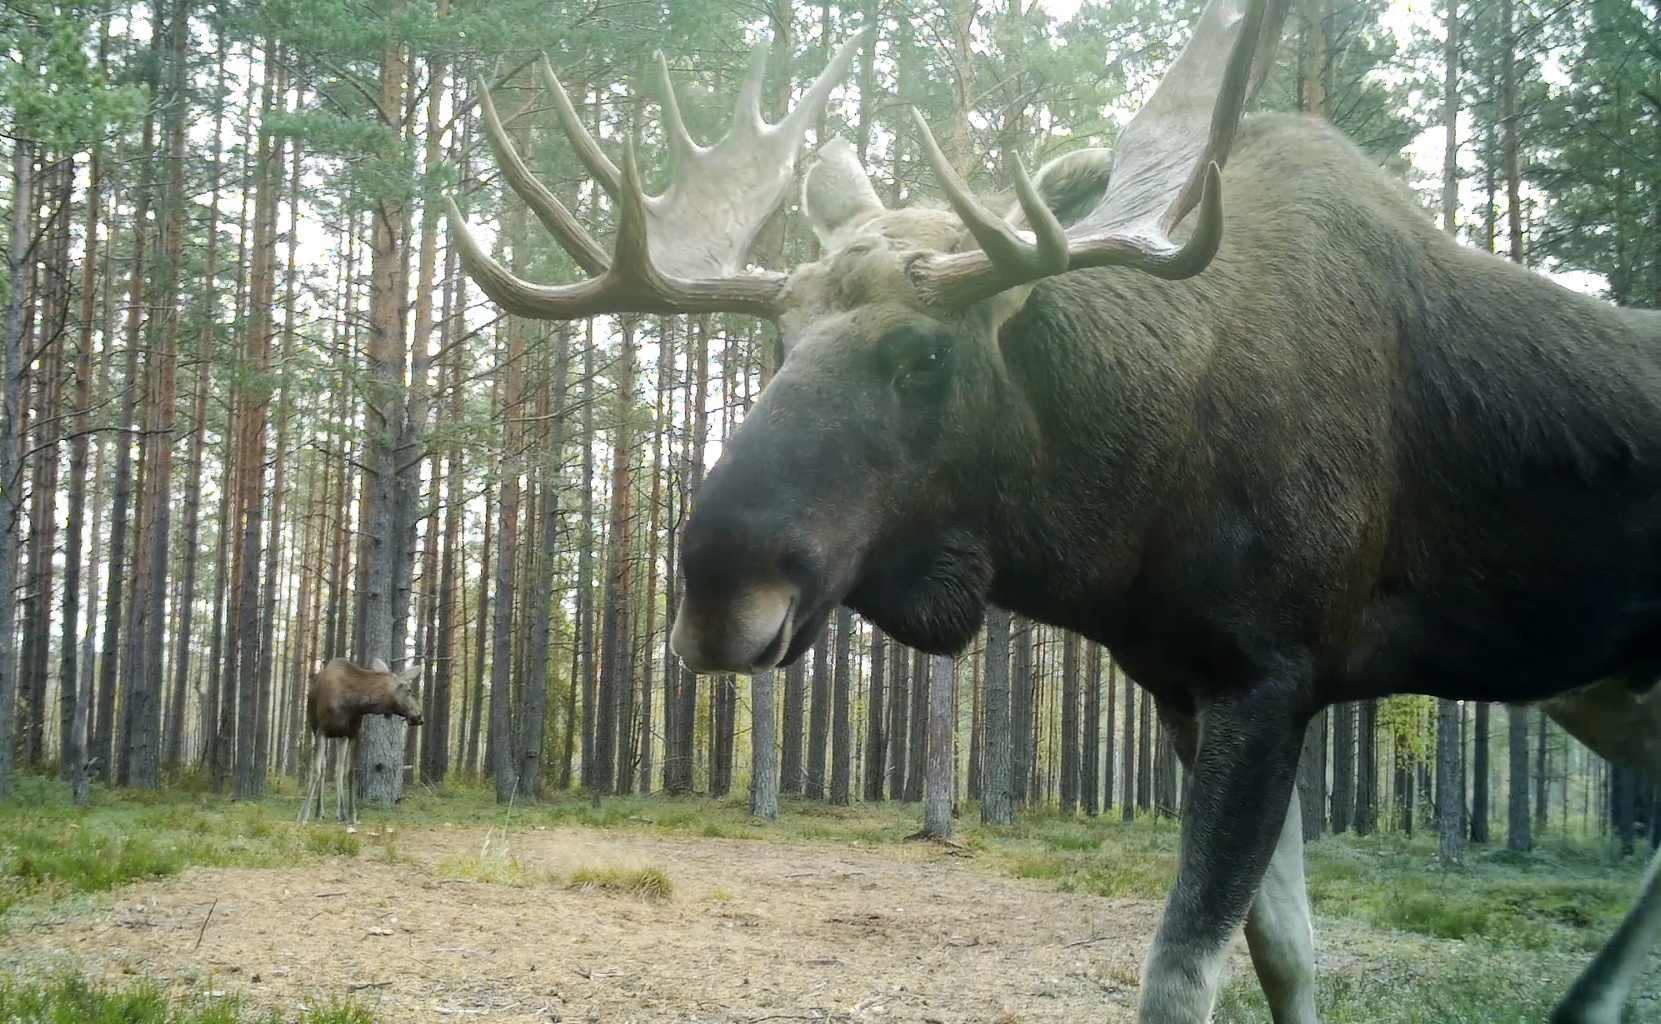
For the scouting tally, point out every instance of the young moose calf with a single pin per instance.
(340, 694)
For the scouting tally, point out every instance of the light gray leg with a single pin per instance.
(315, 783)
(352, 781)
(1279, 933)
(341, 747)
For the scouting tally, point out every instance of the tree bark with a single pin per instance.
(937, 800)
(534, 718)
(764, 762)
(818, 721)
(997, 790)
(616, 687)
(1480, 771)
(1450, 795)
(875, 739)
(11, 394)
(841, 770)
(1517, 833)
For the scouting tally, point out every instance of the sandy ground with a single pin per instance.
(754, 931)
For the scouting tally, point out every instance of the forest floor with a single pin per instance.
(688, 911)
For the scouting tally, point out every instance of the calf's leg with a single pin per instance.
(315, 784)
(1238, 792)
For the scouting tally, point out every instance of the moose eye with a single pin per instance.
(921, 360)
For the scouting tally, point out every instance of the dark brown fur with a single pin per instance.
(338, 698)
(1352, 458)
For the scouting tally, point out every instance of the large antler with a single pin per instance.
(679, 252)
(1167, 160)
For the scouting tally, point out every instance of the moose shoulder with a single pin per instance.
(1305, 452)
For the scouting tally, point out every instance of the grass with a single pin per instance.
(646, 883)
(72, 1000)
(1494, 941)
(50, 849)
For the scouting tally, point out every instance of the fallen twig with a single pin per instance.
(359, 986)
(325, 895)
(204, 929)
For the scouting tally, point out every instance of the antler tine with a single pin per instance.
(1238, 83)
(1002, 244)
(1052, 254)
(1167, 160)
(548, 209)
(588, 151)
(813, 101)
(746, 112)
(680, 140)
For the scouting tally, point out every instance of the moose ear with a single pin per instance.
(837, 193)
(1071, 185)
(411, 671)
(377, 665)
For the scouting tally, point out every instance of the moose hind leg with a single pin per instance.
(1238, 793)
(1279, 933)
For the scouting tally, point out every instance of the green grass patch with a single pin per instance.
(72, 1000)
(646, 883)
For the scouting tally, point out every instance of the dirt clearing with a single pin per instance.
(455, 923)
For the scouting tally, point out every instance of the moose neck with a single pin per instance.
(1108, 368)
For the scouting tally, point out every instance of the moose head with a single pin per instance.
(871, 470)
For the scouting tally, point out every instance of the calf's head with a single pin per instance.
(400, 690)
(872, 470)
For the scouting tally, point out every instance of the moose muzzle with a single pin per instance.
(751, 632)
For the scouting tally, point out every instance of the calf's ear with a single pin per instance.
(377, 665)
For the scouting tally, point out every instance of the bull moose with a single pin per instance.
(1306, 451)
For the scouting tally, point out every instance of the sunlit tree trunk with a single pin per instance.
(997, 787)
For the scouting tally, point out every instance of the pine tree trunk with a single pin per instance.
(615, 722)
(997, 789)
(72, 709)
(1090, 765)
(764, 761)
(1071, 759)
(1517, 834)
(474, 712)
(250, 768)
(841, 770)
(1480, 771)
(876, 741)
(587, 679)
(1541, 779)
(500, 744)
(11, 404)
(1366, 769)
(795, 705)
(818, 719)
(937, 797)
(1450, 795)
(1127, 771)
(1109, 735)
(899, 719)
(1020, 707)
(1342, 717)
(534, 719)
(917, 746)
(1312, 777)
(661, 417)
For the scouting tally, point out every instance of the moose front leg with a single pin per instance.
(1236, 810)
(1279, 933)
